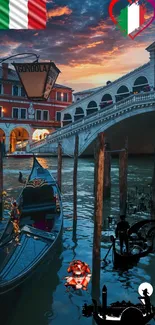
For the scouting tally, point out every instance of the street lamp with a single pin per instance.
(37, 78)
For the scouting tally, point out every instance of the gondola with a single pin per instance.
(122, 313)
(135, 228)
(138, 249)
(40, 224)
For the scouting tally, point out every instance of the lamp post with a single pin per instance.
(37, 78)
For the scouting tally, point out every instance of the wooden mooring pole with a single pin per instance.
(95, 168)
(59, 165)
(123, 170)
(98, 212)
(76, 151)
(107, 171)
(153, 193)
(1, 181)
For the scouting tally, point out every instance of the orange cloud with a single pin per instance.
(100, 27)
(114, 64)
(148, 16)
(59, 11)
(86, 46)
(94, 44)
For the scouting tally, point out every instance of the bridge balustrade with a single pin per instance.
(108, 112)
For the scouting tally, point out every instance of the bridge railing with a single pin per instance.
(110, 110)
(115, 107)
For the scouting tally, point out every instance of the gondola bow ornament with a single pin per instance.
(37, 183)
(80, 276)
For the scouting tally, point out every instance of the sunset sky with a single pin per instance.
(83, 42)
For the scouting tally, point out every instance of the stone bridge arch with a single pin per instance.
(79, 113)
(106, 100)
(141, 83)
(91, 107)
(91, 134)
(67, 119)
(122, 92)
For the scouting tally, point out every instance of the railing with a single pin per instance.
(105, 113)
(37, 143)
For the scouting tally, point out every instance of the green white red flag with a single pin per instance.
(131, 18)
(23, 14)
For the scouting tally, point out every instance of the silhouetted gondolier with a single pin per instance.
(122, 233)
(147, 301)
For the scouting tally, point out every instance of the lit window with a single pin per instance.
(23, 113)
(15, 90)
(15, 112)
(45, 115)
(38, 114)
(39, 134)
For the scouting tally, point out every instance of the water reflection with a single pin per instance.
(35, 303)
(50, 302)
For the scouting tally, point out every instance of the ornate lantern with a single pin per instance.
(37, 78)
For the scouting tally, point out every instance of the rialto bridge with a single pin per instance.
(125, 107)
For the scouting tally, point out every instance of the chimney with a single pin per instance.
(4, 70)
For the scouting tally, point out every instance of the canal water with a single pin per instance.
(47, 301)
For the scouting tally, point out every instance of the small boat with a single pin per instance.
(135, 228)
(20, 154)
(138, 248)
(40, 227)
(122, 313)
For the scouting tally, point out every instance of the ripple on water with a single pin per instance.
(52, 303)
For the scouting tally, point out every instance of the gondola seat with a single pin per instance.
(38, 199)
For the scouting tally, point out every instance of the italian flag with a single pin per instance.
(131, 18)
(23, 14)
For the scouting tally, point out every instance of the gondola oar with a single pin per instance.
(104, 259)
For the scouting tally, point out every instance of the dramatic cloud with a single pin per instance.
(83, 42)
(59, 11)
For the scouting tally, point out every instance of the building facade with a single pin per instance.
(20, 119)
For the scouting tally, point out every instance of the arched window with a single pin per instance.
(141, 85)
(15, 90)
(79, 113)
(92, 104)
(122, 93)
(67, 119)
(106, 101)
(92, 107)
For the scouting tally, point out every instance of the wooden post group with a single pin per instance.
(123, 170)
(76, 151)
(59, 165)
